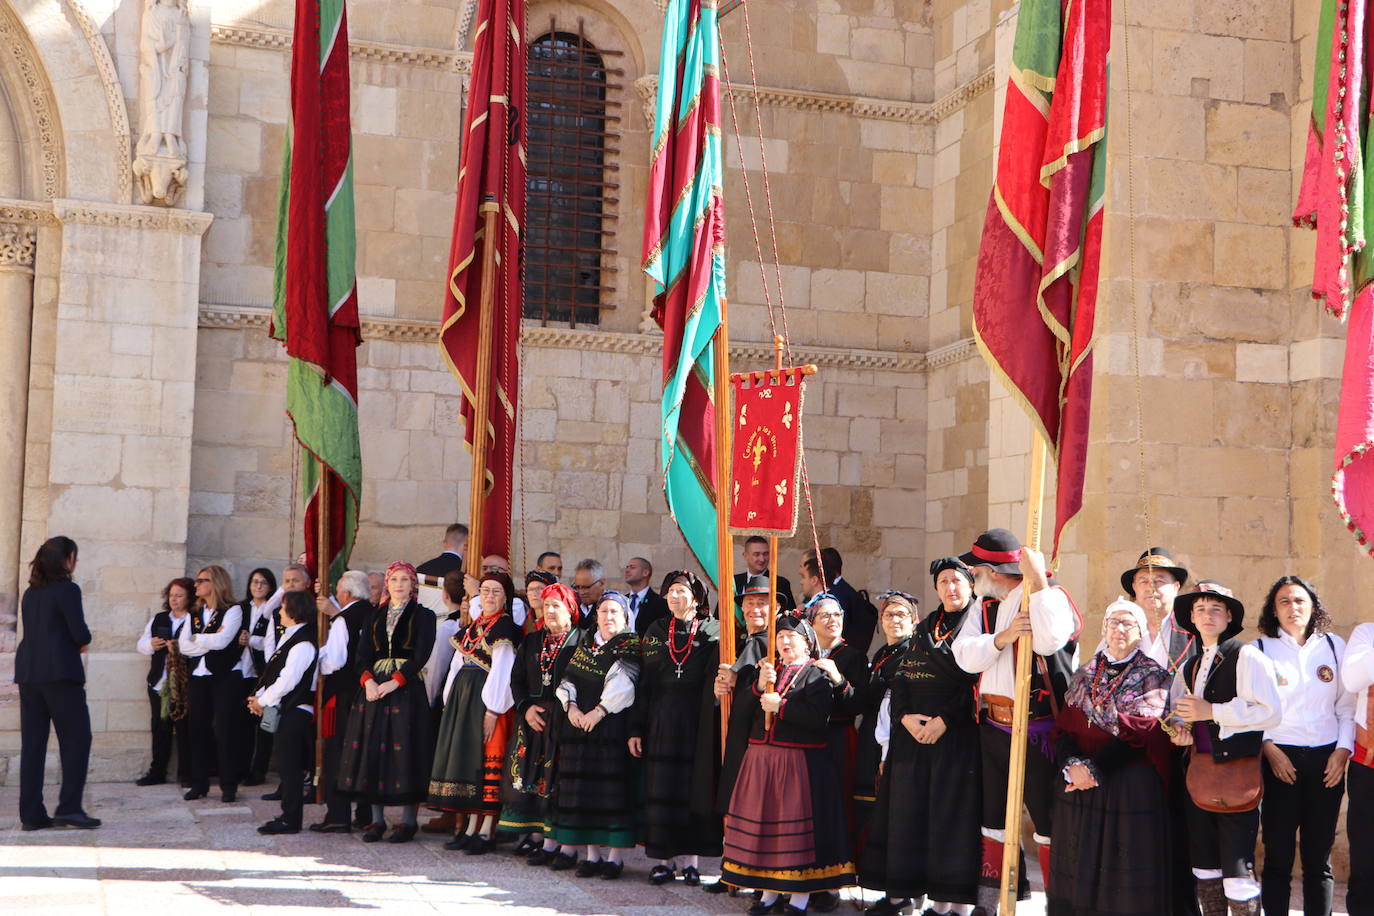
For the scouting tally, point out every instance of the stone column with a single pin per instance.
(17, 245)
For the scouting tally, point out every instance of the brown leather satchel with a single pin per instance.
(1225, 788)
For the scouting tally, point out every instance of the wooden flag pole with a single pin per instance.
(773, 607)
(321, 626)
(481, 409)
(1020, 728)
(725, 545)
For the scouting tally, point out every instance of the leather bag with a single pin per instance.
(1225, 788)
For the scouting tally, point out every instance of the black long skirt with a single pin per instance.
(386, 756)
(527, 779)
(676, 822)
(1111, 849)
(596, 787)
(924, 836)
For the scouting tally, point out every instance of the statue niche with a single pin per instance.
(163, 51)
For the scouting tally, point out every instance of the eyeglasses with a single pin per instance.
(1122, 625)
(583, 588)
(492, 592)
(829, 615)
(202, 580)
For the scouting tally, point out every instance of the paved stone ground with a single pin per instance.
(158, 855)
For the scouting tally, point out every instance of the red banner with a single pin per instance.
(766, 465)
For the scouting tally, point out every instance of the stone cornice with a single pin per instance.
(951, 353)
(187, 222)
(404, 330)
(381, 52)
(772, 96)
(27, 211)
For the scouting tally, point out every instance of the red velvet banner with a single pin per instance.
(766, 464)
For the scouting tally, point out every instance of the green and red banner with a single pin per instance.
(315, 307)
(1035, 292)
(766, 464)
(1337, 200)
(684, 256)
(491, 178)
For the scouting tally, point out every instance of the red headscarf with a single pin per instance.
(564, 594)
(414, 578)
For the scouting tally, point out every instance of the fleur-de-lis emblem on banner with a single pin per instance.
(781, 491)
(736, 498)
(743, 412)
(787, 415)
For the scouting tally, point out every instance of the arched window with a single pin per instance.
(570, 185)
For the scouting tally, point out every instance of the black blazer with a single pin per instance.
(860, 620)
(440, 566)
(54, 632)
(652, 609)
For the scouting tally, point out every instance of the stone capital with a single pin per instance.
(18, 242)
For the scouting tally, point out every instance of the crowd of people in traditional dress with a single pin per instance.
(574, 722)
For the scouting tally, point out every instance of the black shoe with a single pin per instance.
(525, 847)
(185, 782)
(759, 908)
(274, 795)
(538, 857)
(459, 841)
(660, 874)
(402, 833)
(790, 910)
(374, 832)
(78, 821)
(885, 907)
(361, 821)
(254, 779)
(611, 870)
(823, 902)
(561, 861)
(478, 845)
(326, 827)
(193, 794)
(229, 795)
(277, 827)
(148, 779)
(588, 869)
(717, 887)
(691, 877)
(44, 824)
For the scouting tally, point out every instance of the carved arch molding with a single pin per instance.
(34, 108)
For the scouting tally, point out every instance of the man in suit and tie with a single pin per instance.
(860, 616)
(756, 564)
(589, 582)
(455, 542)
(646, 605)
(350, 612)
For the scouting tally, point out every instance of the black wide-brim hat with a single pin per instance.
(757, 585)
(997, 548)
(1153, 558)
(1183, 613)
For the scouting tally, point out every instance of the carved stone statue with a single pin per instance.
(163, 51)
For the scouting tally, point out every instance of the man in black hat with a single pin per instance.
(1153, 583)
(985, 645)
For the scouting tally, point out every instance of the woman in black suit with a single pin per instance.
(52, 687)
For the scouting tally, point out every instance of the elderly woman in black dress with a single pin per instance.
(897, 620)
(386, 756)
(1111, 821)
(675, 727)
(786, 831)
(595, 797)
(924, 839)
(527, 781)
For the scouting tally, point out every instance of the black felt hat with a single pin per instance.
(1183, 613)
(758, 585)
(1153, 558)
(997, 548)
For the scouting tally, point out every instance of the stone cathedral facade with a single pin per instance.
(141, 401)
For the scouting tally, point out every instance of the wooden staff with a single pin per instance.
(725, 544)
(773, 549)
(1020, 722)
(321, 626)
(481, 384)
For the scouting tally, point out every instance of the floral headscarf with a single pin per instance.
(414, 578)
(1105, 691)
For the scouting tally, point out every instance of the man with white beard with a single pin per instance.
(985, 645)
